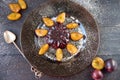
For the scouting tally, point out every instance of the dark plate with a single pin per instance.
(30, 48)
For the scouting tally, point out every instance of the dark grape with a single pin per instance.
(97, 75)
(110, 65)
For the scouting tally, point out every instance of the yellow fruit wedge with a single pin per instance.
(41, 32)
(61, 17)
(71, 48)
(14, 16)
(72, 25)
(14, 7)
(43, 49)
(75, 36)
(22, 4)
(59, 54)
(48, 22)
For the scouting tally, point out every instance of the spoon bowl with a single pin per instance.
(9, 36)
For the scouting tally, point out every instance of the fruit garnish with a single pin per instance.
(22, 4)
(61, 17)
(98, 63)
(110, 65)
(41, 32)
(14, 7)
(71, 48)
(75, 36)
(14, 16)
(59, 54)
(72, 25)
(97, 75)
(58, 36)
(48, 22)
(44, 48)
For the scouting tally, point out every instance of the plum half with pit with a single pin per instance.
(110, 65)
(98, 63)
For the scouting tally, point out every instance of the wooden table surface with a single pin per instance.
(106, 13)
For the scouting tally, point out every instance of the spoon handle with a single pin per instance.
(38, 74)
(19, 49)
(21, 52)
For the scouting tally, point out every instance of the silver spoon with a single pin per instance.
(10, 38)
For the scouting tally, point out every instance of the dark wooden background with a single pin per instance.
(106, 13)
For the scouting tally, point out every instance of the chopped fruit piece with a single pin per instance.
(41, 32)
(14, 7)
(43, 49)
(98, 63)
(22, 4)
(75, 36)
(71, 48)
(110, 65)
(14, 16)
(48, 22)
(97, 75)
(61, 18)
(59, 54)
(72, 25)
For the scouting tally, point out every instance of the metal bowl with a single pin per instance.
(53, 68)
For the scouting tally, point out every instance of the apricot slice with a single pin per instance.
(22, 4)
(72, 25)
(75, 36)
(71, 48)
(43, 49)
(48, 22)
(41, 32)
(14, 16)
(14, 7)
(61, 17)
(59, 54)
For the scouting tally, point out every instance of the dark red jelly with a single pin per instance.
(58, 36)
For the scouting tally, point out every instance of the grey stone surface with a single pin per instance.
(106, 12)
(110, 39)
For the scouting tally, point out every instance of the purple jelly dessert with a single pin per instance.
(58, 36)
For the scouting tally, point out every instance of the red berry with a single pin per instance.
(97, 75)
